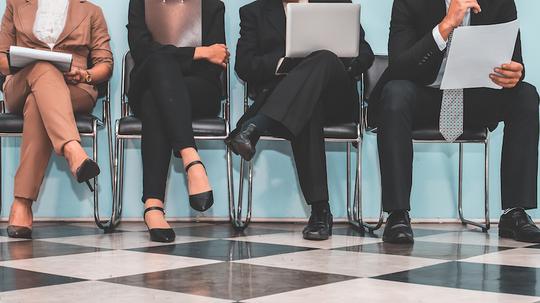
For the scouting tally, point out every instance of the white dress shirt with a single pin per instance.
(442, 44)
(50, 20)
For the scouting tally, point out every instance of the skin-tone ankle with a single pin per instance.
(21, 213)
(155, 218)
(197, 177)
(74, 154)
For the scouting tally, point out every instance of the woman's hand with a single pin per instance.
(217, 54)
(75, 76)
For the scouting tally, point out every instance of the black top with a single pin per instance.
(262, 43)
(142, 45)
(412, 50)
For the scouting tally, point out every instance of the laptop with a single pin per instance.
(320, 26)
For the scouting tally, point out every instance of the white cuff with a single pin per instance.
(439, 38)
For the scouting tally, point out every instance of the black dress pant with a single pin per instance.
(317, 91)
(405, 106)
(170, 102)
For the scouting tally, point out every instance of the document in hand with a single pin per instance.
(20, 57)
(475, 51)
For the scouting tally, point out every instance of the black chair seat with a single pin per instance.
(132, 126)
(341, 131)
(13, 124)
(433, 134)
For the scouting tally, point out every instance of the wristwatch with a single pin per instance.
(88, 78)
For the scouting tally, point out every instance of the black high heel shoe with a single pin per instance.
(164, 235)
(19, 232)
(88, 170)
(203, 201)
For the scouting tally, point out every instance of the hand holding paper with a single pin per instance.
(507, 75)
(475, 52)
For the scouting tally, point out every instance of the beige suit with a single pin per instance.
(39, 91)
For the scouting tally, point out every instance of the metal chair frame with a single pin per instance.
(120, 142)
(105, 121)
(485, 227)
(240, 222)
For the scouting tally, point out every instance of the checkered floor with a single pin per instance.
(267, 263)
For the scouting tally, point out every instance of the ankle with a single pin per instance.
(320, 207)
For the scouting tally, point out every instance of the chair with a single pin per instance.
(11, 125)
(347, 133)
(429, 135)
(130, 127)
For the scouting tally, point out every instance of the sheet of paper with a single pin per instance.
(475, 51)
(20, 57)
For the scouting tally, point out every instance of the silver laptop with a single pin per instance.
(320, 26)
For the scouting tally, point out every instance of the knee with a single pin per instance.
(397, 96)
(158, 61)
(325, 56)
(528, 97)
(41, 68)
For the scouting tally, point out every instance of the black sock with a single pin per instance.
(320, 206)
(262, 122)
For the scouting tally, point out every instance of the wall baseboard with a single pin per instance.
(256, 220)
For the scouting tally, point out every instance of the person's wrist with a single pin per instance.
(200, 53)
(445, 28)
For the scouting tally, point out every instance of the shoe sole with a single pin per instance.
(246, 154)
(400, 240)
(510, 234)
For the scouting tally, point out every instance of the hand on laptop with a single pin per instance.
(507, 75)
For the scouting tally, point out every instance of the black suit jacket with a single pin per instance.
(262, 44)
(142, 45)
(412, 50)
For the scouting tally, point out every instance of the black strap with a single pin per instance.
(194, 163)
(154, 208)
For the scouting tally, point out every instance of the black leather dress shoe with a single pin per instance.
(19, 232)
(398, 228)
(519, 226)
(243, 143)
(319, 226)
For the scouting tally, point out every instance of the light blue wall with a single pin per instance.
(276, 193)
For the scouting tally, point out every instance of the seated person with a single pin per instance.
(320, 89)
(408, 95)
(48, 99)
(178, 63)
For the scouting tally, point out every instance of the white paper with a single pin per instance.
(20, 57)
(475, 51)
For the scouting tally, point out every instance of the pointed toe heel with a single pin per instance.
(88, 170)
(19, 232)
(163, 235)
(202, 201)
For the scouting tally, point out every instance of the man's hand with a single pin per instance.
(217, 54)
(456, 13)
(508, 75)
(75, 76)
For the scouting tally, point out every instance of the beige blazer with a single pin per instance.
(85, 34)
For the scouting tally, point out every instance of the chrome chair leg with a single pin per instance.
(352, 208)
(358, 210)
(484, 227)
(1, 180)
(235, 212)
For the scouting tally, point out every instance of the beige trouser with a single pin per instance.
(40, 93)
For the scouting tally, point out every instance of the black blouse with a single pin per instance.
(142, 45)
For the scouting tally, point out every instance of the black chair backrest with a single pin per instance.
(129, 63)
(374, 73)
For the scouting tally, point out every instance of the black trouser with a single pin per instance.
(316, 91)
(166, 111)
(405, 106)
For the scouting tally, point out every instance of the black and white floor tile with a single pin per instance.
(265, 263)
